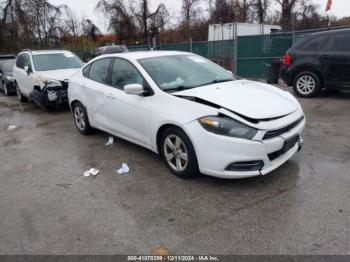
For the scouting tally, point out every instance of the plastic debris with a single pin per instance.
(12, 128)
(124, 170)
(110, 141)
(91, 172)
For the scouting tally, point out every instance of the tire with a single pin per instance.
(19, 94)
(307, 84)
(81, 119)
(50, 108)
(178, 153)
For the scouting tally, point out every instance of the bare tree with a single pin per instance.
(121, 20)
(149, 22)
(190, 12)
(261, 7)
(287, 7)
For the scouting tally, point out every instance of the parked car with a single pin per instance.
(105, 50)
(7, 56)
(197, 115)
(7, 81)
(42, 76)
(321, 60)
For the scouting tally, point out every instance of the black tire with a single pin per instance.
(50, 108)
(191, 169)
(20, 95)
(80, 111)
(312, 84)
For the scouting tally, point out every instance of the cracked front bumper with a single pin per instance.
(215, 153)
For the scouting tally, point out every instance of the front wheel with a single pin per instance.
(307, 84)
(81, 119)
(178, 153)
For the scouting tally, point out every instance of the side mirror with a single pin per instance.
(134, 89)
(27, 69)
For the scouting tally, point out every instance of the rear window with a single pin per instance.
(56, 61)
(315, 44)
(340, 42)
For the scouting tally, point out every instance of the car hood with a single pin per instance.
(248, 98)
(60, 75)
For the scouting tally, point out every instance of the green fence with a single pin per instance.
(254, 53)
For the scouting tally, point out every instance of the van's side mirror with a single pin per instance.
(134, 89)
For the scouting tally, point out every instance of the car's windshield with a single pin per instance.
(178, 72)
(8, 66)
(56, 61)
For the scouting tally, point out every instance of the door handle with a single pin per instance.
(83, 85)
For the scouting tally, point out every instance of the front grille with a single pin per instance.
(278, 132)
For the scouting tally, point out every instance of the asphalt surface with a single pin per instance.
(48, 207)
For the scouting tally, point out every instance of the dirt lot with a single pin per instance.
(302, 208)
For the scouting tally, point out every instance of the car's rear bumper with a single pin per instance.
(286, 76)
(216, 153)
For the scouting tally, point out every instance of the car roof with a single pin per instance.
(48, 51)
(331, 32)
(7, 61)
(145, 54)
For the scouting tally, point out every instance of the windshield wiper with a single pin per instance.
(216, 81)
(179, 88)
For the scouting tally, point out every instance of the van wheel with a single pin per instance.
(307, 84)
(19, 94)
(81, 119)
(178, 153)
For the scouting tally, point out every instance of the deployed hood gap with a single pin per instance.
(207, 103)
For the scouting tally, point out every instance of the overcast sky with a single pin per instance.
(86, 8)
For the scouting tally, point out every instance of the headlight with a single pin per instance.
(227, 127)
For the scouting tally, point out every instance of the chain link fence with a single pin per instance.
(248, 56)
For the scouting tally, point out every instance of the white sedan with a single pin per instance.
(197, 115)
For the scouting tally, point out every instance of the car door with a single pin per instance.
(338, 59)
(96, 87)
(129, 114)
(24, 79)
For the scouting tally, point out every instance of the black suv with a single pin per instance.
(321, 60)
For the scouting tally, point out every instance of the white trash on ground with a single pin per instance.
(91, 172)
(123, 170)
(110, 141)
(12, 128)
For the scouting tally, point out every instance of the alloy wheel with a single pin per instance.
(175, 153)
(306, 84)
(79, 117)
(5, 89)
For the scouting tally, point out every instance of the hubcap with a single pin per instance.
(306, 84)
(79, 118)
(5, 89)
(175, 152)
(18, 93)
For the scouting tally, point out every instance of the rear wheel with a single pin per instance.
(307, 84)
(178, 153)
(19, 94)
(81, 119)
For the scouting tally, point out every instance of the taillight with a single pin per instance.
(287, 59)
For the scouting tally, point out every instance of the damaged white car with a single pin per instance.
(194, 113)
(42, 76)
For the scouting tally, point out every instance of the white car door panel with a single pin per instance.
(129, 115)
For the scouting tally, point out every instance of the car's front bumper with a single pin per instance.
(215, 153)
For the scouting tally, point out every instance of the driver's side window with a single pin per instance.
(124, 73)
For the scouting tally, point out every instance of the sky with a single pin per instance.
(86, 8)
